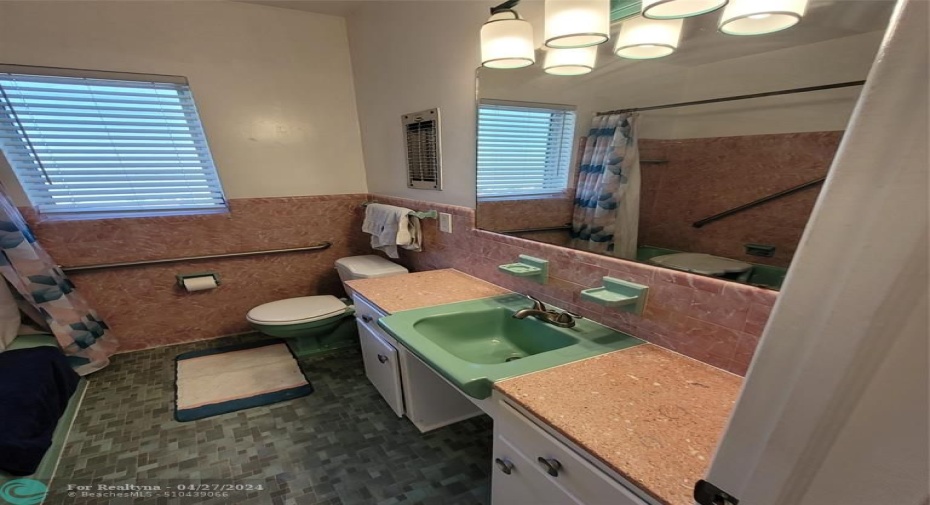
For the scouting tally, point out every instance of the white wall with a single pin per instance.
(273, 86)
(410, 56)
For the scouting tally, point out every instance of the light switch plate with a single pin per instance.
(445, 222)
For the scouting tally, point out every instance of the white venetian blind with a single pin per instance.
(114, 146)
(523, 149)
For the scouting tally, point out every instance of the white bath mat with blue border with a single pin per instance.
(216, 381)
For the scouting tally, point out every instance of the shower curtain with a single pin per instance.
(606, 212)
(43, 287)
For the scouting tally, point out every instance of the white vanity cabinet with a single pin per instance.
(531, 466)
(410, 387)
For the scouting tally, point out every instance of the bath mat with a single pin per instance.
(216, 381)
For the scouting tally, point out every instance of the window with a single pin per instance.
(102, 143)
(523, 149)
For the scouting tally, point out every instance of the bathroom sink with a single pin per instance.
(491, 335)
(478, 342)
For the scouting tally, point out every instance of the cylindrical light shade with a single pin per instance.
(674, 9)
(575, 61)
(507, 42)
(752, 17)
(577, 23)
(643, 39)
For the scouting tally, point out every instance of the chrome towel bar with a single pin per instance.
(104, 266)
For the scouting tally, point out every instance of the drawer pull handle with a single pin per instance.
(504, 465)
(551, 465)
(382, 358)
(366, 318)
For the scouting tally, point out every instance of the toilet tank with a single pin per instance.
(366, 267)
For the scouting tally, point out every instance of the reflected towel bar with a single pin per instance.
(429, 214)
(104, 266)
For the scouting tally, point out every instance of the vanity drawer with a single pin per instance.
(382, 367)
(366, 312)
(516, 480)
(569, 469)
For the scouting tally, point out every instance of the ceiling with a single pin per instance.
(340, 8)
(824, 20)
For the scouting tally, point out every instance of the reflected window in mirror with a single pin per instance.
(524, 149)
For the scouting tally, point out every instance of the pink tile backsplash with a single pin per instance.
(714, 321)
(145, 307)
(507, 215)
(709, 175)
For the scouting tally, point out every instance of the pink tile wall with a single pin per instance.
(507, 215)
(144, 306)
(709, 175)
(714, 321)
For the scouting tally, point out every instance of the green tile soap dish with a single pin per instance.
(528, 267)
(618, 294)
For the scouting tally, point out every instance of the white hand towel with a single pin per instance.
(390, 227)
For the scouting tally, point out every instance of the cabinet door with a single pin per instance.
(382, 368)
(516, 481)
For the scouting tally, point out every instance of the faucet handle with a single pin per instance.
(568, 317)
(537, 305)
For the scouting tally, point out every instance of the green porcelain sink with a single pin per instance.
(475, 343)
(491, 336)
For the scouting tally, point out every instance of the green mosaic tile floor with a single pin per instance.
(340, 445)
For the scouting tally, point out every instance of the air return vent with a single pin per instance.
(421, 133)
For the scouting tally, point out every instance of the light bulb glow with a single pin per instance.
(752, 17)
(507, 42)
(674, 9)
(577, 23)
(575, 61)
(642, 39)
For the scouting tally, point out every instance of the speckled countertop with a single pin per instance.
(423, 289)
(650, 414)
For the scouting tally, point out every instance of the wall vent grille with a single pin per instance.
(421, 136)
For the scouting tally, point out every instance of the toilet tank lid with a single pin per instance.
(369, 266)
(301, 309)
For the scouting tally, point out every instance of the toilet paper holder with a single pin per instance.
(182, 277)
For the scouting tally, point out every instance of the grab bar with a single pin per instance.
(754, 203)
(103, 266)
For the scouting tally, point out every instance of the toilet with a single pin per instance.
(318, 324)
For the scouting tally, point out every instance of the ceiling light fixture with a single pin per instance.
(575, 61)
(752, 17)
(577, 23)
(643, 39)
(507, 39)
(674, 9)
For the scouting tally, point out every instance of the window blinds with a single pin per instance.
(84, 145)
(523, 149)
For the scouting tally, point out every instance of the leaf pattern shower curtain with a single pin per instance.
(31, 272)
(606, 212)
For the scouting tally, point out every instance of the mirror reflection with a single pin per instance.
(621, 161)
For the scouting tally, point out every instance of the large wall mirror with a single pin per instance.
(722, 188)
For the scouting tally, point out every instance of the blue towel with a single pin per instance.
(35, 386)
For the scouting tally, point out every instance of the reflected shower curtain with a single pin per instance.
(606, 213)
(28, 268)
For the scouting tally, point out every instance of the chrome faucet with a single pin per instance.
(539, 311)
